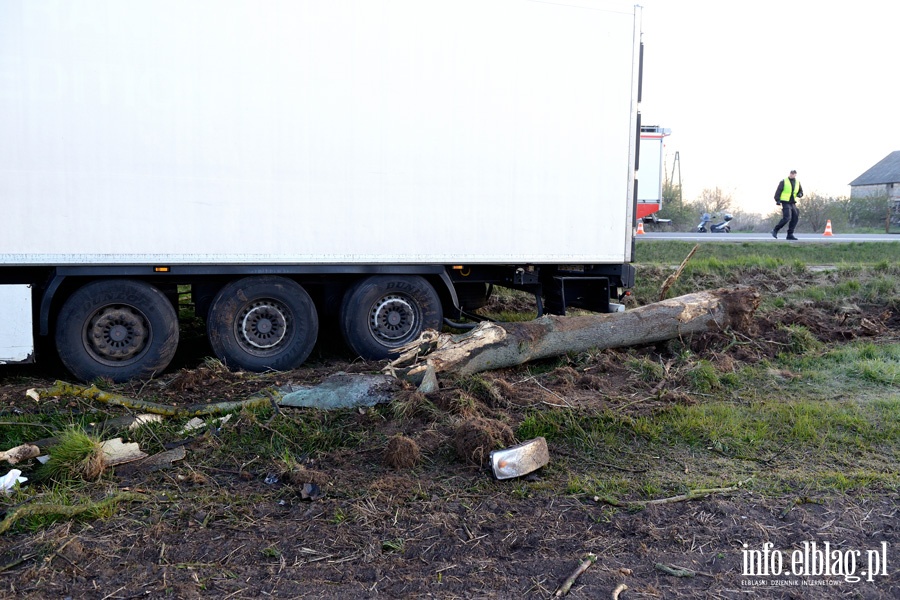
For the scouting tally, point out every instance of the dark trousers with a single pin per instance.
(789, 214)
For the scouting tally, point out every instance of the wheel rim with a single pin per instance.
(394, 319)
(262, 326)
(117, 334)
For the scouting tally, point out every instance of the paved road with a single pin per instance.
(766, 237)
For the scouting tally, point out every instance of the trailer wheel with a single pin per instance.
(116, 329)
(261, 323)
(385, 312)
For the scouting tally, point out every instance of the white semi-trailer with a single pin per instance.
(378, 162)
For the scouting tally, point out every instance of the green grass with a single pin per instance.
(304, 432)
(672, 252)
(76, 456)
(785, 277)
(507, 304)
(782, 446)
(39, 509)
(856, 365)
(833, 426)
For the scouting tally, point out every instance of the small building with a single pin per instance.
(883, 179)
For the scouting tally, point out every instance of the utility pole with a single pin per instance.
(676, 161)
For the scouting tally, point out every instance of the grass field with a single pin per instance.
(798, 416)
(669, 252)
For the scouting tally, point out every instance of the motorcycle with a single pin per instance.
(706, 224)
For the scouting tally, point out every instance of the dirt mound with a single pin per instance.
(476, 438)
(402, 453)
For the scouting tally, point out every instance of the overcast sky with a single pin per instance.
(752, 90)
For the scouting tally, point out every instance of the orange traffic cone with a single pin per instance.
(828, 228)
(640, 230)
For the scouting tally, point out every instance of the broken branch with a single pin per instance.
(65, 510)
(567, 584)
(61, 388)
(674, 571)
(671, 279)
(691, 495)
(341, 390)
(20, 453)
(677, 571)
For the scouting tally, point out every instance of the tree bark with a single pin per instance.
(499, 345)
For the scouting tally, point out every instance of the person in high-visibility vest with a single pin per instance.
(789, 189)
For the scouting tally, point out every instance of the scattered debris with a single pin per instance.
(8, 481)
(79, 454)
(193, 425)
(590, 559)
(116, 452)
(198, 423)
(156, 462)
(192, 477)
(311, 492)
(144, 419)
(521, 459)
(429, 380)
(619, 589)
(20, 453)
(307, 480)
(108, 426)
(33, 394)
(342, 390)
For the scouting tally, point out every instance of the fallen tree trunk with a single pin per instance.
(498, 345)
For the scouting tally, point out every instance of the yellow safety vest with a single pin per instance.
(787, 194)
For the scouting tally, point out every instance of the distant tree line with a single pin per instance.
(846, 214)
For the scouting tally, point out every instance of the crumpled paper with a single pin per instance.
(10, 479)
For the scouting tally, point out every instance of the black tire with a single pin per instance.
(384, 312)
(262, 323)
(117, 329)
